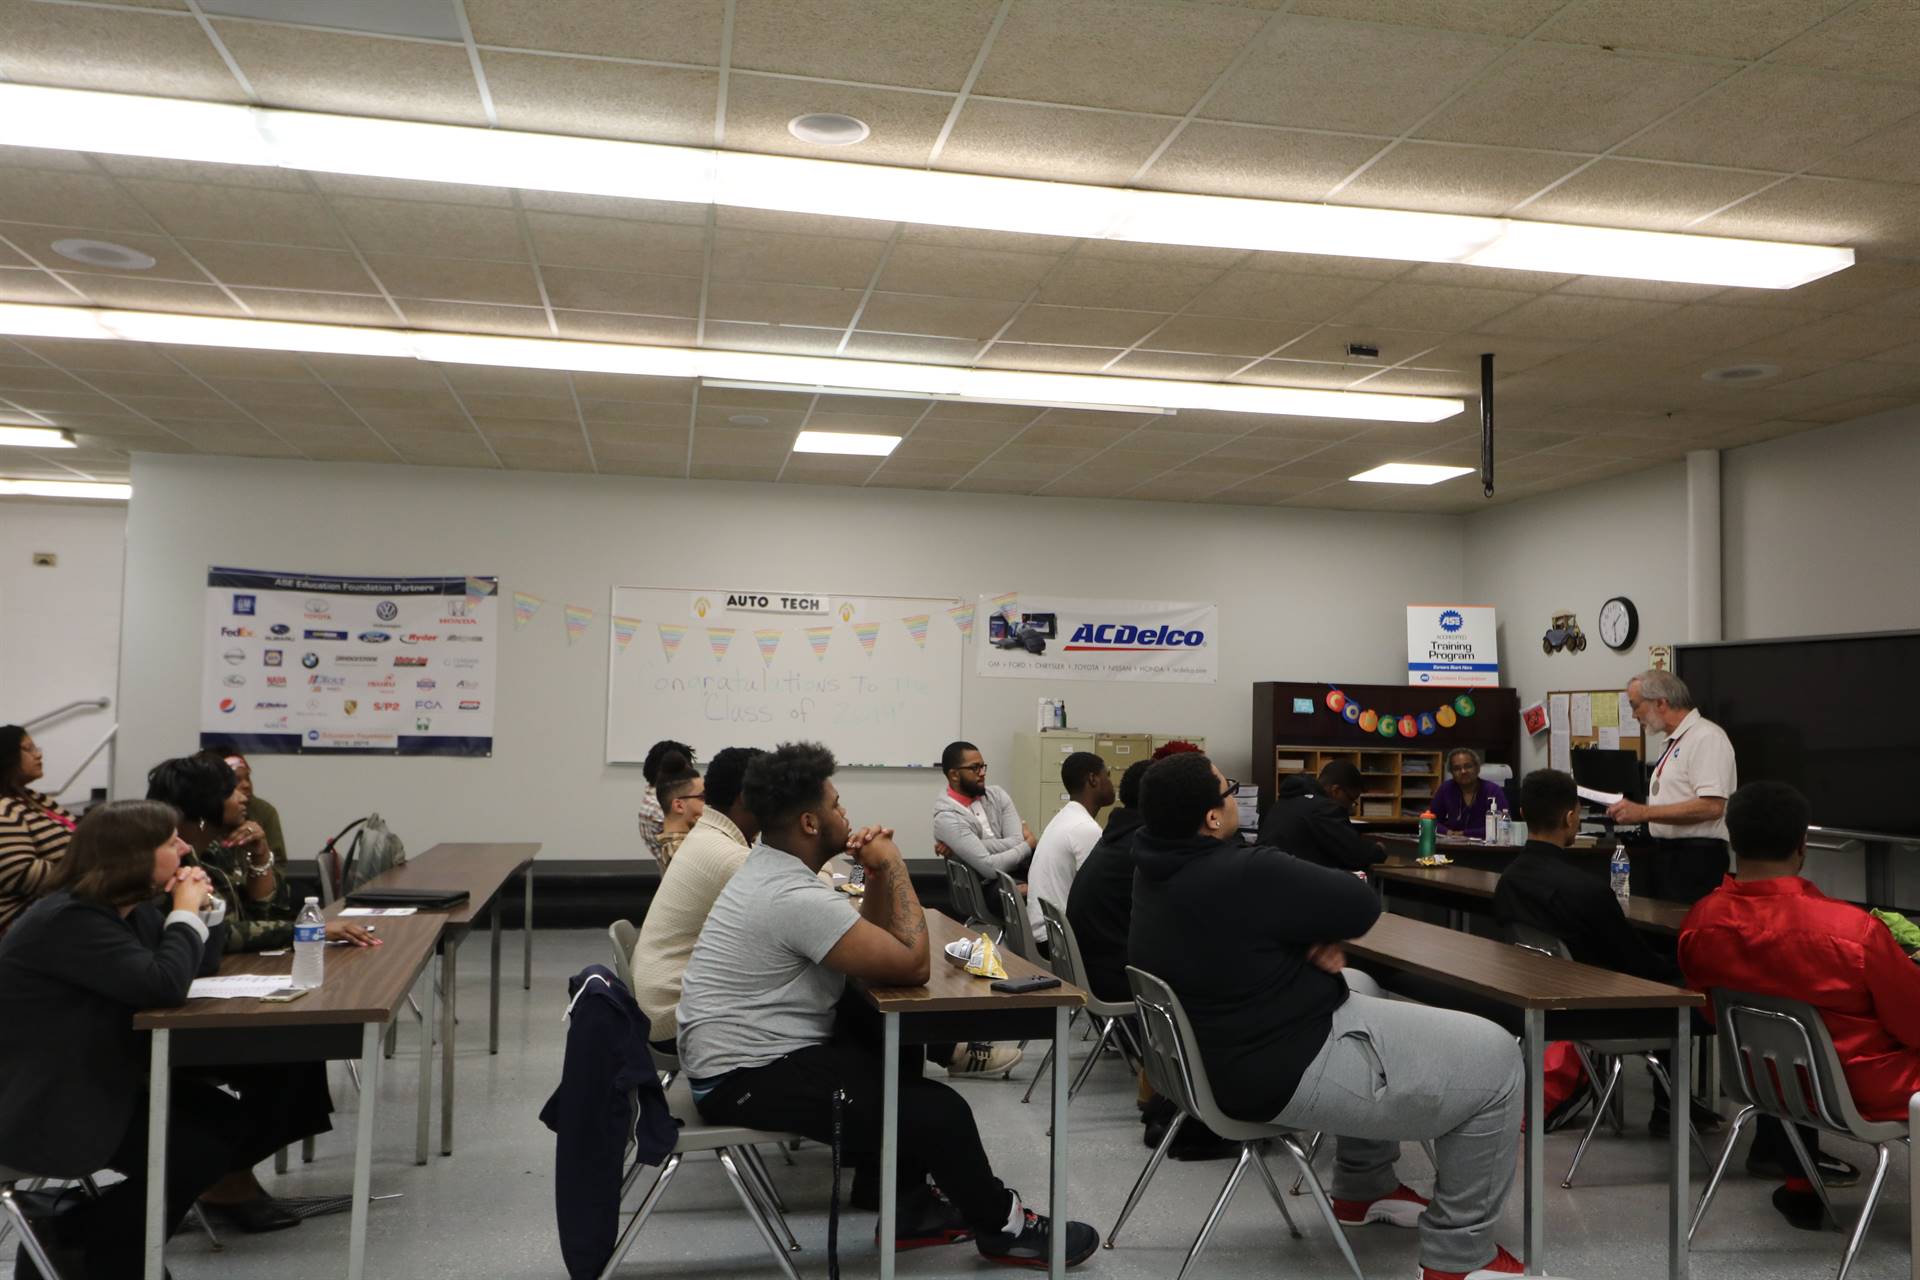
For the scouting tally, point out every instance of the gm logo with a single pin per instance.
(1451, 621)
(243, 605)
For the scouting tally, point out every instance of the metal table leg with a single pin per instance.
(449, 983)
(493, 993)
(363, 1149)
(1057, 1208)
(889, 1139)
(425, 1107)
(159, 1086)
(526, 933)
(1535, 1041)
(1679, 1188)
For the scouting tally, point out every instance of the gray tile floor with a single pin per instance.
(488, 1210)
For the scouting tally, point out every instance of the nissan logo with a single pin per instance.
(234, 657)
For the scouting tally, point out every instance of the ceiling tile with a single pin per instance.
(1169, 364)
(353, 184)
(81, 47)
(1569, 99)
(485, 405)
(904, 125)
(1564, 316)
(896, 42)
(654, 30)
(355, 74)
(1831, 339)
(1878, 38)
(475, 317)
(1082, 326)
(282, 266)
(781, 259)
(236, 213)
(596, 326)
(1272, 164)
(1714, 28)
(568, 240)
(1877, 215)
(153, 295)
(606, 388)
(404, 227)
(963, 273)
(788, 339)
(264, 369)
(1316, 73)
(912, 348)
(602, 99)
(1022, 140)
(1809, 116)
(1329, 343)
(616, 207)
(1047, 359)
(978, 318)
(1892, 154)
(1437, 178)
(730, 471)
(1485, 17)
(194, 171)
(319, 308)
(1220, 335)
(1121, 54)
(68, 199)
(810, 224)
(462, 279)
(1326, 375)
(1101, 282)
(1412, 305)
(1276, 296)
(1642, 196)
(782, 304)
(1075, 436)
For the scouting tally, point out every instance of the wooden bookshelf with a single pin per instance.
(1396, 783)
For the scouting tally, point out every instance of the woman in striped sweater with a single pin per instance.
(34, 829)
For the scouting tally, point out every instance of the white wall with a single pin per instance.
(569, 538)
(60, 626)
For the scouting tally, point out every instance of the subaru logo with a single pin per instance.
(280, 629)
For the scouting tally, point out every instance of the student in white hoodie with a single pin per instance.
(1070, 835)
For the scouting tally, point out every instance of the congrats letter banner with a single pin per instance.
(1058, 638)
(316, 663)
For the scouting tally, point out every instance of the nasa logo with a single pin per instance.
(313, 735)
(276, 682)
(1451, 621)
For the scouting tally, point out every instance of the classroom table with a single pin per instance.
(345, 1017)
(1559, 1000)
(483, 871)
(1471, 887)
(956, 1006)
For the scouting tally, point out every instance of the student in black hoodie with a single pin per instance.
(1309, 819)
(1249, 938)
(1100, 905)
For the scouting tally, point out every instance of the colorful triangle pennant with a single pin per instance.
(524, 607)
(1005, 601)
(670, 637)
(623, 629)
(820, 638)
(718, 638)
(480, 588)
(768, 638)
(916, 625)
(962, 615)
(578, 616)
(867, 633)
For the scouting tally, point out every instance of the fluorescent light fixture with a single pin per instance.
(1409, 473)
(65, 489)
(863, 446)
(874, 376)
(36, 437)
(125, 124)
(819, 390)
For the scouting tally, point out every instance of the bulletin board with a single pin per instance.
(1577, 718)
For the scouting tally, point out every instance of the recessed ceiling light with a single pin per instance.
(104, 253)
(36, 437)
(845, 442)
(828, 129)
(66, 489)
(749, 420)
(1741, 373)
(1409, 473)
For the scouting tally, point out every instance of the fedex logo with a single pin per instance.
(1125, 637)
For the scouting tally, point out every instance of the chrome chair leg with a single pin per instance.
(200, 1216)
(1600, 1113)
(280, 1160)
(1324, 1204)
(1866, 1210)
(1219, 1208)
(17, 1217)
(1813, 1171)
(1273, 1189)
(645, 1211)
(1146, 1176)
(755, 1212)
(1666, 1082)
(762, 1186)
(1313, 1153)
(1038, 1076)
(1086, 1068)
(1720, 1168)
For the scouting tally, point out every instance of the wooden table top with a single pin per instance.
(1655, 915)
(480, 869)
(951, 989)
(363, 984)
(1507, 974)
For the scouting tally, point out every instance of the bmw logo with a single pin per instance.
(309, 660)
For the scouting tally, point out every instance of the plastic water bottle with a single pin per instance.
(309, 946)
(1619, 872)
(1427, 834)
(1506, 827)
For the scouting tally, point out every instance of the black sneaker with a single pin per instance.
(1834, 1171)
(1570, 1107)
(926, 1219)
(1032, 1245)
(1705, 1118)
(1801, 1209)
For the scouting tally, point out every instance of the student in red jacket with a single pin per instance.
(1769, 931)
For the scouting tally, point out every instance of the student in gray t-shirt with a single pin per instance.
(760, 1040)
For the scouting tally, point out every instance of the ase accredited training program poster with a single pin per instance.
(308, 662)
(1452, 646)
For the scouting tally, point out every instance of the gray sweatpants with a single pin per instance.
(1392, 1071)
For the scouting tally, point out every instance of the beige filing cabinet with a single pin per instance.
(1033, 779)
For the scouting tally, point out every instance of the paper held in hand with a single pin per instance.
(239, 986)
(1605, 799)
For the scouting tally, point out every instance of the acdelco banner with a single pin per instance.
(1452, 646)
(1057, 638)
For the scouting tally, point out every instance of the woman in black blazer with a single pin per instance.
(74, 968)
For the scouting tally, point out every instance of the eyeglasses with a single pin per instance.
(1233, 790)
(695, 795)
(972, 768)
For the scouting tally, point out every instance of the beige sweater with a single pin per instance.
(706, 861)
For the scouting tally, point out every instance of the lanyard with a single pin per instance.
(1665, 752)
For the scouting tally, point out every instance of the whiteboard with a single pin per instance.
(875, 678)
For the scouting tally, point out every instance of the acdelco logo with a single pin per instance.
(1124, 636)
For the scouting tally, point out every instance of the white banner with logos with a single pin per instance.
(1060, 638)
(1452, 646)
(303, 662)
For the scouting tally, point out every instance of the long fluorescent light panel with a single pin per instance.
(222, 133)
(27, 320)
(99, 490)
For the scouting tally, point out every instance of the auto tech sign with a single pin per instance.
(1059, 638)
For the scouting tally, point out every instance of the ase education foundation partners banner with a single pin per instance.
(305, 662)
(1057, 638)
(1452, 646)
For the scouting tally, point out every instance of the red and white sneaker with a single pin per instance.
(1503, 1264)
(1398, 1208)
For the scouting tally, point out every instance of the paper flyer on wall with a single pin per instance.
(324, 663)
(1452, 646)
(1039, 637)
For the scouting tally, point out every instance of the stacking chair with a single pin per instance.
(625, 935)
(1780, 1061)
(1175, 1070)
(1110, 1016)
(1018, 928)
(1613, 1053)
(972, 901)
(17, 1219)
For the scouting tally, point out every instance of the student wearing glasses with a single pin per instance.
(683, 798)
(975, 822)
(1461, 804)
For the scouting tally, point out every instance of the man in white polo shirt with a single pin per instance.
(1686, 804)
(1069, 836)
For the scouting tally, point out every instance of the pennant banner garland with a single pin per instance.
(670, 638)
(524, 607)
(1005, 601)
(962, 615)
(768, 638)
(916, 625)
(623, 629)
(718, 638)
(1427, 723)
(820, 638)
(578, 616)
(480, 588)
(867, 633)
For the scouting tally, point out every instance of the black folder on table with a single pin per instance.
(426, 899)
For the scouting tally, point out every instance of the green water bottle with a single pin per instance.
(1426, 834)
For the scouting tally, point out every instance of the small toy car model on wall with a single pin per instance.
(1563, 634)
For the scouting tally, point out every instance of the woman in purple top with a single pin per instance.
(1461, 803)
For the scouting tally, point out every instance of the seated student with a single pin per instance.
(708, 858)
(74, 969)
(1069, 837)
(1309, 819)
(651, 814)
(1249, 939)
(1769, 931)
(1558, 891)
(34, 829)
(977, 823)
(682, 798)
(1461, 803)
(261, 813)
(283, 1102)
(760, 1039)
(1100, 905)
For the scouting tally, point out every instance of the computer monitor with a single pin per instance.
(1617, 771)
